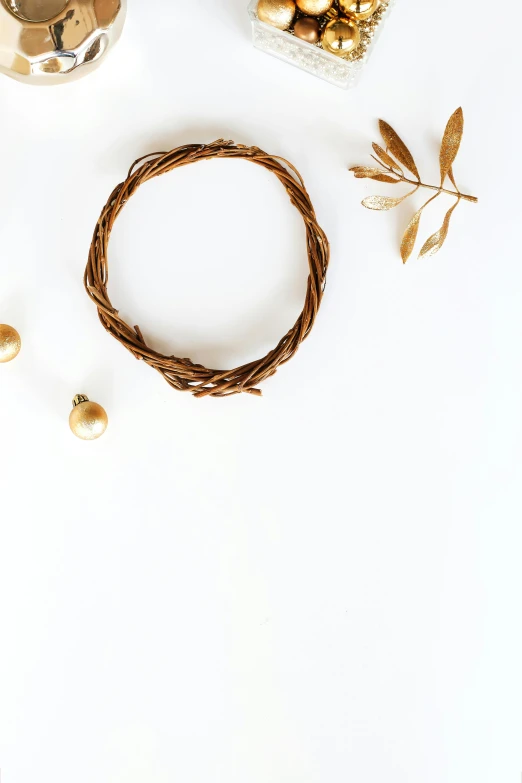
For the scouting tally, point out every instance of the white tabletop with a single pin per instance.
(319, 586)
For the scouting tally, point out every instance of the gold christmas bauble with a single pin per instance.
(358, 9)
(307, 29)
(88, 420)
(340, 37)
(314, 7)
(278, 13)
(10, 343)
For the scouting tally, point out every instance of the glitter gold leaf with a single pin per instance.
(365, 171)
(435, 242)
(451, 144)
(385, 158)
(398, 148)
(382, 203)
(410, 235)
(362, 172)
(381, 177)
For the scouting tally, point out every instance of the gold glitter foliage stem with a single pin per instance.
(397, 155)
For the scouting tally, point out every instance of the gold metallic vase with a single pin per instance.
(56, 41)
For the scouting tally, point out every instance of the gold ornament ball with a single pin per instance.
(10, 343)
(307, 29)
(314, 7)
(358, 9)
(278, 13)
(340, 37)
(88, 420)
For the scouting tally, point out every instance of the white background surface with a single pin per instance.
(320, 586)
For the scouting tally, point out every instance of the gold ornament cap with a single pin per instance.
(314, 7)
(88, 420)
(340, 37)
(358, 9)
(278, 13)
(10, 343)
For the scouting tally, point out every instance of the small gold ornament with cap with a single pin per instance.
(88, 420)
(10, 343)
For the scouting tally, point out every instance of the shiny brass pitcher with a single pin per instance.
(56, 41)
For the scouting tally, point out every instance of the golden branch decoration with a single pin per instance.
(392, 173)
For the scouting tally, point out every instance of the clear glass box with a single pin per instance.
(312, 57)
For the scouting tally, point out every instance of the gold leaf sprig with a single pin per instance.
(397, 155)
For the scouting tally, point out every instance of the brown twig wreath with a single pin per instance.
(183, 374)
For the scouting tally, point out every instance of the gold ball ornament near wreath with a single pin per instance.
(184, 374)
(10, 343)
(88, 420)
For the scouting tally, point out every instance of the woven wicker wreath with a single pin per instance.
(184, 374)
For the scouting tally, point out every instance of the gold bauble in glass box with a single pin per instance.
(278, 13)
(358, 9)
(340, 37)
(314, 7)
(307, 29)
(54, 41)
